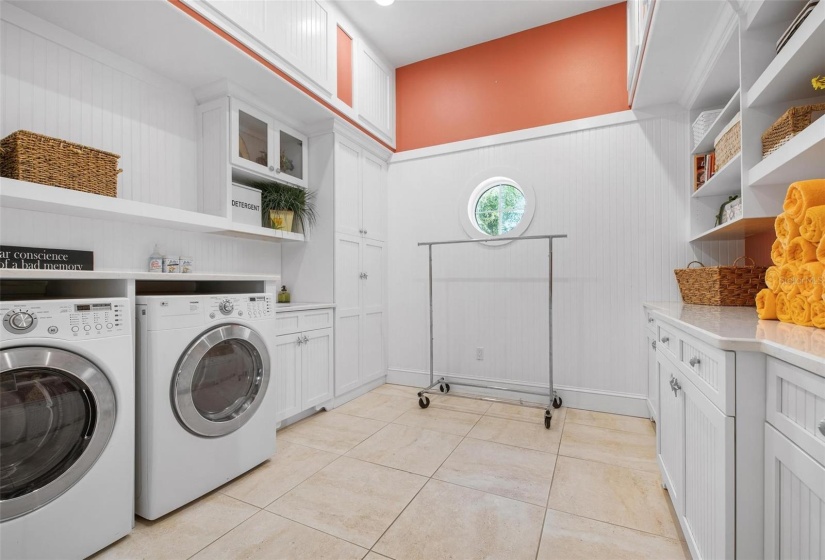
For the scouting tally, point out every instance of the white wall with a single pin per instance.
(57, 84)
(620, 192)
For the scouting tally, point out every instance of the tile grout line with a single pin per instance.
(614, 429)
(222, 535)
(552, 480)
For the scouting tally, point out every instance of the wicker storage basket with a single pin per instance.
(721, 285)
(27, 156)
(728, 144)
(792, 122)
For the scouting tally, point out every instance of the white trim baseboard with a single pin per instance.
(572, 397)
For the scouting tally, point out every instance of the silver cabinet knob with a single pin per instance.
(306, 340)
(822, 426)
(694, 361)
(653, 344)
(366, 276)
(300, 340)
(650, 319)
(665, 340)
(365, 232)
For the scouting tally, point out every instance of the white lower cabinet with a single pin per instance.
(303, 371)
(652, 378)
(670, 432)
(794, 500)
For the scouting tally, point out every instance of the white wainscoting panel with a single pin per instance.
(126, 247)
(621, 194)
(61, 91)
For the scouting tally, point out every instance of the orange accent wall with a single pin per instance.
(758, 247)
(344, 67)
(561, 71)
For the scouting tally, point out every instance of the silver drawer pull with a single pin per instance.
(665, 340)
(300, 340)
(653, 344)
(694, 361)
(650, 319)
(822, 426)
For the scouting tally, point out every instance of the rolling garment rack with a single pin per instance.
(553, 399)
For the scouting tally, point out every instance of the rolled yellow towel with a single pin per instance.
(766, 304)
(813, 224)
(787, 279)
(786, 229)
(801, 311)
(800, 251)
(803, 195)
(783, 308)
(818, 314)
(809, 277)
(778, 253)
(820, 251)
(772, 278)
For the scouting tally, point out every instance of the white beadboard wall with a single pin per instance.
(81, 93)
(621, 194)
(60, 85)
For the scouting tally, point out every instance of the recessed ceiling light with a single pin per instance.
(384, 2)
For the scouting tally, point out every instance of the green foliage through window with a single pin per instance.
(499, 209)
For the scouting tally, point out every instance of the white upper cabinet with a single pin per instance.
(360, 192)
(374, 197)
(304, 35)
(375, 92)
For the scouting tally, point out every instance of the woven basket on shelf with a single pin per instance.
(728, 145)
(721, 285)
(792, 122)
(27, 156)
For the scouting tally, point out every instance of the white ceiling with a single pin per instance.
(413, 30)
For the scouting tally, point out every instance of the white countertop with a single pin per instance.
(739, 329)
(17, 274)
(299, 306)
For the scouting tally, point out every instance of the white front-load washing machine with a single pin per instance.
(67, 427)
(206, 404)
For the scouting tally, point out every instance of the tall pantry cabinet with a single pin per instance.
(344, 258)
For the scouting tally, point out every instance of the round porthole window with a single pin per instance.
(498, 207)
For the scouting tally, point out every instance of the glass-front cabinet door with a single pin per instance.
(263, 146)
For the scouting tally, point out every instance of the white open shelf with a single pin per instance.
(706, 143)
(727, 180)
(42, 198)
(16, 274)
(736, 229)
(803, 157)
(788, 76)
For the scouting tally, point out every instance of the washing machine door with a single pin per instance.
(57, 412)
(220, 381)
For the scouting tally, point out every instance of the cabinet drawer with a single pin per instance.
(300, 321)
(711, 370)
(796, 406)
(668, 341)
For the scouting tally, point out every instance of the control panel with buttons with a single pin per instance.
(66, 319)
(257, 306)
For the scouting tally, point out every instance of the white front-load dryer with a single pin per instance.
(206, 402)
(67, 427)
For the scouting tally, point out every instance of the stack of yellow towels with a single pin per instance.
(795, 282)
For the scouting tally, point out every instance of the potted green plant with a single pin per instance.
(282, 205)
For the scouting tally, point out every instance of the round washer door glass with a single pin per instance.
(57, 412)
(221, 380)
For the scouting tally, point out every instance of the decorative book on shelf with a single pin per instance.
(703, 169)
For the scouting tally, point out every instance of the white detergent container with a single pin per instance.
(246, 205)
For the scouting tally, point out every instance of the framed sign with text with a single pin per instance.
(36, 258)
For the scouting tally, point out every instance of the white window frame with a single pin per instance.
(480, 186)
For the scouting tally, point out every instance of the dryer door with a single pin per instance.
(220, 381)
(57, 412)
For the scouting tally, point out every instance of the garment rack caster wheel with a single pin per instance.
(423, 402)
(445, 387)
(557, 402)
(548, 417)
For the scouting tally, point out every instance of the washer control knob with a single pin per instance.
(226, 307)
(240, 313)
(87, 327)
(21, 321)
(75, 328)
(212, 315)
(98, 326)
(108, 325)
(53, 330)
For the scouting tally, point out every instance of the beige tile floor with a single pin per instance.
(381, 478)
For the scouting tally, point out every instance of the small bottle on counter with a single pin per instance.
(156, 260)
(186, 264)
(283, 295)
(171, 264)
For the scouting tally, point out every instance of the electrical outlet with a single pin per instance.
(479, 353)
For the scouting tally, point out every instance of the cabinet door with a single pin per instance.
(255, 18)
(252, 139)
(316, 362)
(291, 152)
(652, 378)
(348, 279)
(347, 188)
(374, 198)
(305, 38)
(709, 490)
(286, 374)
(794, 500)
(372, 285)
(671, 433)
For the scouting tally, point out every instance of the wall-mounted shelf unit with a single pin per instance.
(42, 198)
(735, 229)
(728, 112)
(802, 156)
(727, 181)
